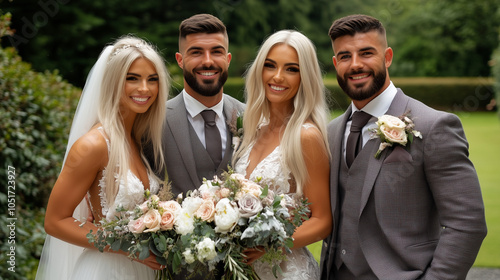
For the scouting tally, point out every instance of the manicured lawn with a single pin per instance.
(482, 130)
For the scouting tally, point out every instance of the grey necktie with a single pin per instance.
(354, 140)
(212, 137)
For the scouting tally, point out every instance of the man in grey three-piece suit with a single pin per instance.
(416, 212)
(204, 58)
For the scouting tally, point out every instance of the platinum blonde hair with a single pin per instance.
(309, 102)
(147, 126)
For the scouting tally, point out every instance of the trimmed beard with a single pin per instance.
(358, 93)
(207, 87)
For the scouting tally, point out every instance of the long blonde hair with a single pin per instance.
(309, 102)
(147, 126)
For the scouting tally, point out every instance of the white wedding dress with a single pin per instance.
(95, 265)
(300, 264)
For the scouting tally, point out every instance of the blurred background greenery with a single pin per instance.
(446, 54)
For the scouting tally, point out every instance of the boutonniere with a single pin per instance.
(236, 128)
(393, 130)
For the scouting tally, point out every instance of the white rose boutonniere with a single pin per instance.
(393, 130)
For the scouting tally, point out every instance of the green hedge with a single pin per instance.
(36, 111)
(450, 94)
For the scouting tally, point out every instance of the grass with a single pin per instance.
(482, 130)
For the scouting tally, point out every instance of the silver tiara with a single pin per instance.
(124, 47)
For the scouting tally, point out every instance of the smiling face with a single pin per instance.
(281, 75)
(361, 62)
(204, 60)
(141, 86)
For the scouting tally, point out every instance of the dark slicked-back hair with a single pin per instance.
(201, 23)
(350, 25)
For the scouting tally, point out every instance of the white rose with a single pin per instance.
(191, 204)
(184, 222)
(206, 250)
(226, 216)
(391, 122)
(188, 256)
(249, 205)
(152, 220)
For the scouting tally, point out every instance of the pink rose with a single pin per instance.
(206, 211)
(224, 192)
(167, 220)
(171, 205)
(395, 135)
(152, 220)
(393, 129)
(137, 226)
(144, 206)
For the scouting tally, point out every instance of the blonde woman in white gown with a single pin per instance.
(122, 103)
(285, 141)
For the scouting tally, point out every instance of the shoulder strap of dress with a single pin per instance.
(101, 130)
(308, 125)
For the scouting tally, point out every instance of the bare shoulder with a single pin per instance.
(310, 134)
(91, 147)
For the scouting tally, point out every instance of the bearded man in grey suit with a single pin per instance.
(204, 58)
(414, 212)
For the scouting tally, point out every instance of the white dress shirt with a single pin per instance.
(377, 108)
(194, 108)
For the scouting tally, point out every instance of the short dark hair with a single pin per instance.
(201, 23)
(350, 25)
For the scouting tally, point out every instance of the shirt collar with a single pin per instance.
(380, 104)
(194, 107)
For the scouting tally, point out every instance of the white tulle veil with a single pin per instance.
(59, 257)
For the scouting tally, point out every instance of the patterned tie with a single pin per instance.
(354, 140)
(212, 137)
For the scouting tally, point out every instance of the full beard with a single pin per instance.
(360, 92)
(207, 87)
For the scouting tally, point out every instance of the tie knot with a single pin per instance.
(359, 119)
(208, 117)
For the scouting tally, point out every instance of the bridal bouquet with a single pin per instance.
(212, 224)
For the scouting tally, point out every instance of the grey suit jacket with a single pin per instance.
(429, 210)
(186, 167)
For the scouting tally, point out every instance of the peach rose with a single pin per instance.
(137, 226)
(167, 220)
(206, 211)
(152, 220)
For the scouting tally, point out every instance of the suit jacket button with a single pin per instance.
(343, 252)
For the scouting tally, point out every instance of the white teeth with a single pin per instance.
(277, 88)
(207, 73)
(359, 77)
(140, 99)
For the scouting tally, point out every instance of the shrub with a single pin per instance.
(36, 111)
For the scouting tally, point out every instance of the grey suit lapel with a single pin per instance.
(397, 108)
(177, 118)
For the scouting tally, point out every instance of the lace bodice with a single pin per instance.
(128, 196)
(270, 169)
(300, 264)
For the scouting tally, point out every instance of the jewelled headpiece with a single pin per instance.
(124, 47)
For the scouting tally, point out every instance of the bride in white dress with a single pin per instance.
(122, 103)
(285, 141)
